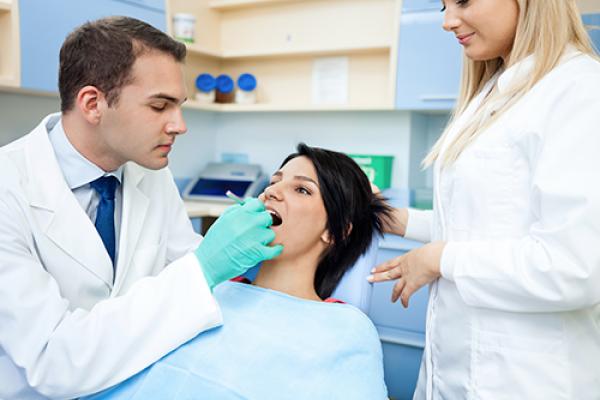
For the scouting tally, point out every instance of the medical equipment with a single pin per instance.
(246, 180)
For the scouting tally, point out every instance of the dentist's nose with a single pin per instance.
(177, 124)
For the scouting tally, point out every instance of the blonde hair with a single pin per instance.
(544, 29)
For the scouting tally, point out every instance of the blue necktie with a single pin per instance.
(105, 215)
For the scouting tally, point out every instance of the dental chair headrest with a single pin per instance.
(354, 288)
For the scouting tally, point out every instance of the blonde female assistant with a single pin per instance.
(512, 255)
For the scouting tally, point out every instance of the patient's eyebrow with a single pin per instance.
(306, 179)
(279, 174)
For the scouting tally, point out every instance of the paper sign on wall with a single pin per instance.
(330, 80)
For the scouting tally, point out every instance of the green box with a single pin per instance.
(377, 168)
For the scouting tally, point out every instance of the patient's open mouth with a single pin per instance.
(275, 217)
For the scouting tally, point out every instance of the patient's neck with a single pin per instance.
(292, 276)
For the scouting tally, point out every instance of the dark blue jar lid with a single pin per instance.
(224, 83)
(206, 83)
(246, 82)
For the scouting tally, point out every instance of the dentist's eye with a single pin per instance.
(462, 2)
(158, 107)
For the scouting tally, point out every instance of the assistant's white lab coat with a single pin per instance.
(515, 314)
(65, 330)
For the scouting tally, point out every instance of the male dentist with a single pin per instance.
(101, 273)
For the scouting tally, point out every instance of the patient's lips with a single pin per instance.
(275, 217)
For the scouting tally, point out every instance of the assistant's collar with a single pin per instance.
(76, 169)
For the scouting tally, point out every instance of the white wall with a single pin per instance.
(268, 137)
(21, 113)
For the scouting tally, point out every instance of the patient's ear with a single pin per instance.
(326, 237)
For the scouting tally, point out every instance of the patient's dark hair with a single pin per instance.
(354, 213)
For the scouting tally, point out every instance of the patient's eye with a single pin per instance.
(303, 190)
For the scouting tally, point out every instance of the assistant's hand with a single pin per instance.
(237, 241)
(413, 270)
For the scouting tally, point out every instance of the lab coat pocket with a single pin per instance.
(483, 183)
(150, 258)
(502, 366)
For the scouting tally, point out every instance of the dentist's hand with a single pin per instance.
(236, 242)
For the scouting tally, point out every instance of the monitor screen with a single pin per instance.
(213, 187)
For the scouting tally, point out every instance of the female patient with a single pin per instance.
(283, 337)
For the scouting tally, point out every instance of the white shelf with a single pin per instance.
(8, 82)
(282, 107)
(5, 5)
(202, 51)
(289, 52)
(233, 4)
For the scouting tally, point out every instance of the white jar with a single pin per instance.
(246, 93)
(205, 85)
(184, 27)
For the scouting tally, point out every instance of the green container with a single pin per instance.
(377, 168)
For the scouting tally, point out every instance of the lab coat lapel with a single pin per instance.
(135, 206)
(56, 209)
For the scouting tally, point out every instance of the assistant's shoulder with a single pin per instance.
(579, 75)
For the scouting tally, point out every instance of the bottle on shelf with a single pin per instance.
(225, 89)
(184, 27)
(206, 85)
(246, 93)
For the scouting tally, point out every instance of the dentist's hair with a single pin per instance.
(101, 53)
(544, 29)
(354, 213)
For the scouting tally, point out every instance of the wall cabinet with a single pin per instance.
(45, 24)
(279, 40)
(429, 63)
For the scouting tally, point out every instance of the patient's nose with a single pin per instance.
(273, 192)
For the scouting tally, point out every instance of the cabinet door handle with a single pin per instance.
(438, 97)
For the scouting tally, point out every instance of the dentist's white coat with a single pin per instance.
(515, 314)
(64, 329)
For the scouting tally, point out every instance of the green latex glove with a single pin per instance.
(236, 242)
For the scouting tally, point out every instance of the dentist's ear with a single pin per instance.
(90, 101)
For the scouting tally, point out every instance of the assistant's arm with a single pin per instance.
(410, 223)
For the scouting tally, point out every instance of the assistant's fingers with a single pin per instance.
(387, 265)
(397, 290)
(407, 292)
